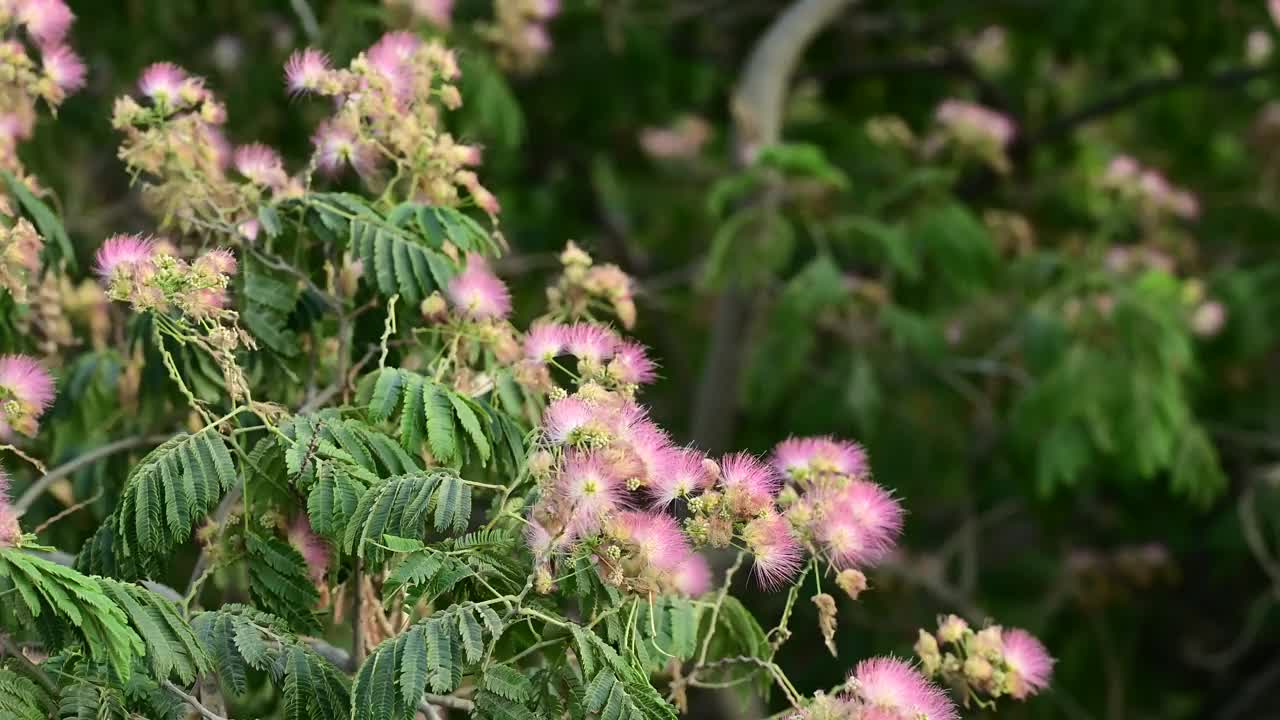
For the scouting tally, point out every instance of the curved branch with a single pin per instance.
(758, 104)
(38, 487)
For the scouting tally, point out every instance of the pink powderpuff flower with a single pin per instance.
(631, 365)
(972, 120)
(564, 419)
(392, 57)
(1030, 664)
(656, 536)
(47, 21)
(477, 293)
(749, 483)
(693, 577)
(648, 442)
(859, 524)
(261, 165)
(63, 67)
(313, 548)
(541, 541)
(544, 9)
(590, 489)
(10, 531)
(892, 685)
(823, 454)
(306, 70)
(591, 343)
(680, 472)
(162, 81)
(26, 391)
(537, 39)
(545, 340)
(778, 554)
(123, 251)
(337, 146)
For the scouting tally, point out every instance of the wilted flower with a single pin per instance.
(10, 531)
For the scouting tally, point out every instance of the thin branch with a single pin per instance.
(192, 701)
(8, 648)
(38, 487)
(448, 701)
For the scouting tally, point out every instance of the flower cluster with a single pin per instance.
(608, 476)
(976, 130)
(26, 391)
(585, 287)
(1149, 189)
(519, 32)
(38, 65)
(387, 124)
(196, 181)
(10, 531)
(986, 664)
(20, 247)
(883, 688)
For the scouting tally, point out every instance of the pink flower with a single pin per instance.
(477, 293)
(656, 536)
(680, 472)
(162, 81)
(313, 549)
(564, 418)
(392, 57)
(890, 684)
(26, 391)
(10, 531)
(693, 577)
(821, 455)
(648, 441)
(545, 9)
(261, 165)
(859, 523)
(778, 554)
(749, 484)
(1209, 318)
(47, 21)
(545, 340)
(1030, 664)
(123, 251)
(337, 146)
(590, 489)
(537, 39)
(305, 70)
(63, 67)
(631, 365)
(1273, 7)
(592, 343)
(970, 120)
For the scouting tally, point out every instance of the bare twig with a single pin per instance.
(8, 648)
(38, 487)
(69, 511)
(192, 701)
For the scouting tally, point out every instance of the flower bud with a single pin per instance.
(852, 582)
(434, 308)
(977, 670)
(951, 629)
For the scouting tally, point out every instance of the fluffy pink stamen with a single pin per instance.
(123, 250)
(750, 483)
(1029, 661)
(890, 684)
(656, 536)
(777, 553)
(592, 343)
(680, 472)
(64, 67)
(477, 293)
(631, 364)
(545, 340)
(305, 70)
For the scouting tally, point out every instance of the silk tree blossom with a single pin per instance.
(10, 531)
(777, 554)
(892, 689)
(163, 82)
(749, 484)
(590, 489)
(693, 577)
(306, 71)
(261, 165)
(1030, 665)
(679, 473)
(802, 457)
(573, 421)
(477, 292)
(631, 365)
(971, 122)
(545, 341)
(337, 146)
(655, 537)
(64, 67)
(859, 524)
(590, 343)
(313, 548)
(46, 21)
(125, 252)
(26, 391)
